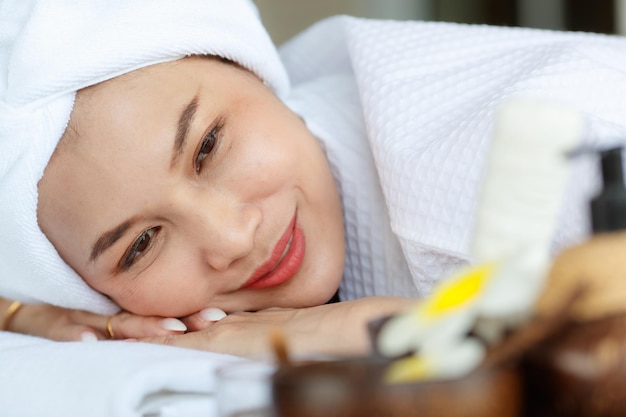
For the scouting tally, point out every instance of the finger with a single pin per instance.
(130, 326)
(75, 333)
(203, 319)
(171, 340)
(192, 340)
(93, 320)
(229, 343)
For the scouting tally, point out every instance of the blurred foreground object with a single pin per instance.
(581, 369)
(447, 334)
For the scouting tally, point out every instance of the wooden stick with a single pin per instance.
(278, 342)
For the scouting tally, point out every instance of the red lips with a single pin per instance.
(284, 262)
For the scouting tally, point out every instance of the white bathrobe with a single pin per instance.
(405, 111)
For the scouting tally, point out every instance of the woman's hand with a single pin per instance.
(62, 324)
(331, 329)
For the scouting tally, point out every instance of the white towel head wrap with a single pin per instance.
(51, 48)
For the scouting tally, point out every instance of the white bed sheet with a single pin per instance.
(39, 378)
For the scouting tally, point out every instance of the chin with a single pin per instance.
(303, 299)
(322, 295)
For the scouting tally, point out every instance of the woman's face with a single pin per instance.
(188, 185)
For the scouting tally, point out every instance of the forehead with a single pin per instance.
(151, 90)
(134, 118)
(190, 68)
(138, 105)
(142, 84)
(121, 121)
(116, 148)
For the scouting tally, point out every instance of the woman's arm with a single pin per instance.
(332, 329)
(62, 324)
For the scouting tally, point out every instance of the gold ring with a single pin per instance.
(8, 315)
(109, 327)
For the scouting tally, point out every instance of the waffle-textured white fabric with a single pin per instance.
(51, 48)
(414, 103)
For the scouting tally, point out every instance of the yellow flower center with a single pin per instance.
(459, 291)
(411, 369)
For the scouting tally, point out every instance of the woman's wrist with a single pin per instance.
(341, 329)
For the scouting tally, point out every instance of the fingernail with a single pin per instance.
(88, 337)
(212, 314)
(173, 324)
(131, 340)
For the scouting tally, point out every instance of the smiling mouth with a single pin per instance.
(284, 262)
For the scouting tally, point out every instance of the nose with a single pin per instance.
(226, 232)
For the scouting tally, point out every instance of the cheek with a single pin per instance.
(65, 226)
(161, 300)
(263, 166)
(68, 236)
(167, 289)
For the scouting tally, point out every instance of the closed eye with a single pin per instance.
(207, 146)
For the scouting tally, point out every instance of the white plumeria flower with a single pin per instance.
(486, 299)
(450, 361)
(435, 328)
(442, 316)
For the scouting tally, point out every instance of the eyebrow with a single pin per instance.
(108, 239)
(184, 122)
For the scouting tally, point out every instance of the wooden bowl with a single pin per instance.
(355, 388)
